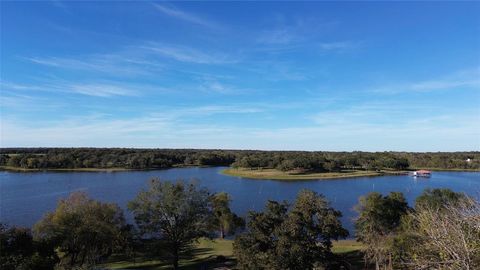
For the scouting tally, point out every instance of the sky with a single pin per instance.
(332, 76)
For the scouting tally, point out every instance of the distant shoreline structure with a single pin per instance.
(422, 173)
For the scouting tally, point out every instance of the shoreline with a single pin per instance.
(115, 169)
(273, 174)
(246, 173)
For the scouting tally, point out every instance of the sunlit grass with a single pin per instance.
(207, 252)
(280, 175)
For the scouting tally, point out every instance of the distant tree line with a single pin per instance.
(72, 158)
(300, 161)
(442, 231)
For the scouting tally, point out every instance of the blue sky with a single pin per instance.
(368, 76)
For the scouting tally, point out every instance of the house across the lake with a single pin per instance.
(422, 173)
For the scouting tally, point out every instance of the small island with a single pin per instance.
(274, 174)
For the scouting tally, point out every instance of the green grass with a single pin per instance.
(280, 175)
(345, 246)
(206, 252)
(204, 255)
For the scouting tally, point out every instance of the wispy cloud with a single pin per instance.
(278, 36)
(445, 84)
(101, 90)
(182, 15)
(15, 86)
(89, 89)
(465, 79)
(120, 64)
(426, 134)
(217, 87)
(341, 45)
(283, 31)
(188, 54)
(61, 5)
(173, 126)
(213, 85)
(218, 109)
(299, 34)
(147, 59)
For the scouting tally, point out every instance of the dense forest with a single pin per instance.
(439, 232)
(104, 158)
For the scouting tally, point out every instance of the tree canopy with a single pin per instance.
(177, 214)
(301, 161)
(442, 232)
(225, 220)
(18, 250)
(438, 198)
(283, 237)
(85, 230)
(379, 217)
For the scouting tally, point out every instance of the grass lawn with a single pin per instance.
(204, 257)
(345, 246)
(279, 175)
(206, 252)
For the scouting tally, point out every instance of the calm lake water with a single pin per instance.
(26, 197)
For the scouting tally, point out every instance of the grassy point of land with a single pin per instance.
(280, 175)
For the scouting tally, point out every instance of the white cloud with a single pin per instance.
(101, 90)
(147, 59)
(187, 54)
(357, 128)
(218, 109)
(182, 15)
(278, 36)
(445, 84)
(464, 79)
(119, 65)
(167, 127)
(158, 131)
(341, 45)
(88, 89)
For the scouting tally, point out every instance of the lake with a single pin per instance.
(26, 196)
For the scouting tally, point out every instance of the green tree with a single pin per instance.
(18, 250)
(379, 218)
(84, 230)
(225, 220)
(177, 214)
(297, 239)
(255, 249)
(438, 198)
(442, 233)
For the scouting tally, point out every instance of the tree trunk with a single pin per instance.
(73, 258)
(83, 257)
(222, 233)
(175, 258)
